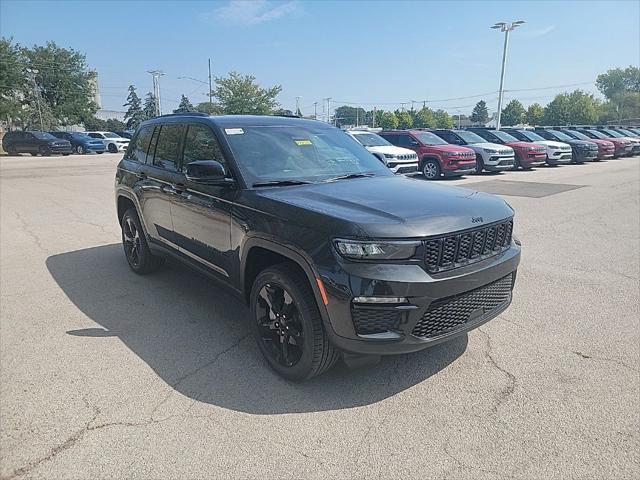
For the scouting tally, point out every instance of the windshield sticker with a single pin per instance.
(233, 131)
(303, 142)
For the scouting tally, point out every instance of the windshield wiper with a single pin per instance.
(280, 183)
(351, 175)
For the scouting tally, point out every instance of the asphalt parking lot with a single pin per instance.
(106, 374)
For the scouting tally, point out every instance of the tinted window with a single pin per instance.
(429, 138)
(405, 140)
(95, 135)
(168, 147)
(141, 146)
(446, 136)
(200, 144)
(393, 139)
(370, 139)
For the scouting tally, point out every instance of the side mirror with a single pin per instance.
(206, 171)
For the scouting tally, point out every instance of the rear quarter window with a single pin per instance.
(139, 148)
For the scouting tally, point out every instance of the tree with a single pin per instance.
(480, 114)
(443, 119)
(424, 118)
(346, 115)
(621, 87)
(149, 107)
(558, 110)
(405, 120)
(113, 124)
(535, 114)
(134, 115)
(513, 113)
(12, 80)
(63, 82)
(241, 94)
(388, 121)
(583, 108)
(210, 108)
(184, 106)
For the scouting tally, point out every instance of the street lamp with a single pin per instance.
(506, 28)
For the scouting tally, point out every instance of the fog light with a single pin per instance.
(380, 300)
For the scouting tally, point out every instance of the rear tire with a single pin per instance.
(136, 249)
(431, 169)
(479, 165)
(287, 325)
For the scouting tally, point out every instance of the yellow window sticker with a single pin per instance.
(303, 142)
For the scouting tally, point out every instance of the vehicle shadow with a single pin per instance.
(194, 335)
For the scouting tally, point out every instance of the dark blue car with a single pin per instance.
(81, 143)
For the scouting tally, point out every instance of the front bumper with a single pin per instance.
(559, 157)
(424, 293)
(403, 168)
(581, 156)
(61, 149)
(457, 170)
(94, 148)
(497, 163)
(535, 159)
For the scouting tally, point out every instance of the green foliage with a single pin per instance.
(184, 106)
(480, 114)
(113, 124)
(134, 115)
(575, 107)
(210, 108)
(149, 107)
(405, 120)
(388, 121)
(424, 118)
(240, 94)
(535, 114)
(12, 80)
(618, 81)
(443, 119)
(513, 113)
(347, 115)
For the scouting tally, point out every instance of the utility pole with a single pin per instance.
(328, 99)
(315, 110)
(156, 74)
(32, 73)
(210, 101)
(297, 105)
(506, 28)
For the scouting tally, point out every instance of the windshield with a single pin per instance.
(627, 133)
(44, 136)
(371, 140)
(470, 137)
(504, 136)
(301, 153)
(429, 138)
(559, 135)
(595, 134)
(611, 133)
(577, 135)
(531, 136)
(110, 135)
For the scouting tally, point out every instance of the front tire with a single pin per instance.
(45, 151)
(287, 326)
(136, 249)
(431, 169)
(80, 150)
(479, 165)
(112, 148)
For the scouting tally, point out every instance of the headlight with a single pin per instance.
(389, 155)
(451, 154)
(376, 250)
(490, 150)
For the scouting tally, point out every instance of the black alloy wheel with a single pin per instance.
(131, 241)
(112, 148)
(279, 324)
(136, 249)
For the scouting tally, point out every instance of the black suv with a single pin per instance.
(335, 255)
(35, 143)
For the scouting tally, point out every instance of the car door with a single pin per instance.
(160, 182)
(201, 215)
(407, 141)
(30, 143)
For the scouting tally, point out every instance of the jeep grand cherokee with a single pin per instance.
(335, 255)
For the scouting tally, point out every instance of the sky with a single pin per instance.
(372, 53)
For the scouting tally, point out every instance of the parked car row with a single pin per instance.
(449, 152)
(64, 143)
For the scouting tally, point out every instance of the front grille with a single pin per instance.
(452, 313)
(452, 251)
(374, 320)
(407, 169)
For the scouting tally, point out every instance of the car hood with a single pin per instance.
(552, 143)
(525, 145)
(451, 148)
(580, 143)
(493, 146)
(391, 149)
(389, 206)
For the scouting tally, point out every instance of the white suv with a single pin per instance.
(113, 142)
(489, 156)
(398, 159)
(558, 153)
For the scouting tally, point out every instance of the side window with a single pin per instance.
(446, 136)
(201, 144)
(141, 146)
(95, 135)
(168, 147)
(407, 141)
(391, 139)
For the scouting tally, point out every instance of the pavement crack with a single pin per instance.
(511, 378)
(604, 359)
(463, 465)
(29, 231)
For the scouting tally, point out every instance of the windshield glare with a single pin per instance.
(371, 140)
(611, 133)
(470, 137)
(532, 136)
(110, 135)
(504, 136)
(560, 135)
(596, 134)
(429, 138)
(306, 153)
(44, 136)
(577, 135)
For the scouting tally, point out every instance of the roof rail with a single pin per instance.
(188, 114)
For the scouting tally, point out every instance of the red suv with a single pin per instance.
(527, 154)
(435, 156)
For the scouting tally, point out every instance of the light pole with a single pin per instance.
(506, 28)
(156, 74)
